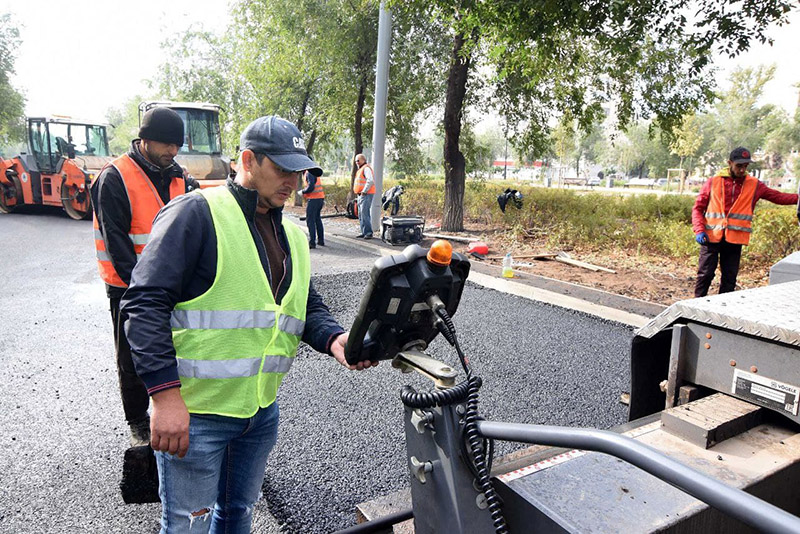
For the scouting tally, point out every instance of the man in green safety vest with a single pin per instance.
(216, 308)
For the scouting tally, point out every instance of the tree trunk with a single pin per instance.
(357, 135)
(454, 164)
(298, 197)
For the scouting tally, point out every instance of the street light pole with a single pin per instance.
(381, 97)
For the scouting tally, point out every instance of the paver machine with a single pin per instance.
(201, 153)
(712, 445)
(64, 155)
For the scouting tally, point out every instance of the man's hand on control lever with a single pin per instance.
(337, 349)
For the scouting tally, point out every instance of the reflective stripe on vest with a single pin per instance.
(318, 192)
(145, 203)
(234, 343)
(361, 181)
(736, 226)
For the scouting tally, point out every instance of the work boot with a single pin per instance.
(321, 243)
(140, 431)
(312, 245)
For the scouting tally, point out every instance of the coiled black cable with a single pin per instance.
(439, 397)
(477, 459)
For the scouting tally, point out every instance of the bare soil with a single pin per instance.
(637, 275)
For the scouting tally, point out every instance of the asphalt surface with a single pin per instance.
(62, 431)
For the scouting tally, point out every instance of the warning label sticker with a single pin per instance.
(766, 391)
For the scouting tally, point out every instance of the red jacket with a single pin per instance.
(733, 188)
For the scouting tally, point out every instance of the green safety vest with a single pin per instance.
(233, 343)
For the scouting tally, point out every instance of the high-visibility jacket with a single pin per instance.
(145, 203)
(736, 225)
(361, 181)
(317, 192)
(233, 343)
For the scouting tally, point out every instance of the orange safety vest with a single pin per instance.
(736, 225)
(318, 192)
(361, 181)
(145, 203)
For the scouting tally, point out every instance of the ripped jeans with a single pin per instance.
(215, 486)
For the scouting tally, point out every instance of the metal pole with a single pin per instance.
(381, 95)
(505, 158)
(759, 514)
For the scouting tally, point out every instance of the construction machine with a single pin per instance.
(64, 155)
(201, 153)
(712, 444)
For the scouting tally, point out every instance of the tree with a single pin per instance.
(573, 56)
(124, 122)
(12, 102)
(738, 120)
(687, 140)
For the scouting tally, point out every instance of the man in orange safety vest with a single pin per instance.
(722, 220)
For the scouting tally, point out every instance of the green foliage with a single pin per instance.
(12, 102)
(124, 122)
(775, 232)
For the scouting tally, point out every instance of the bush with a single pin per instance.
(775, 233)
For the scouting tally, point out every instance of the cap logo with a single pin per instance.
(745, 154)
(298, 142)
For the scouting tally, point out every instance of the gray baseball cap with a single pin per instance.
(281, 141)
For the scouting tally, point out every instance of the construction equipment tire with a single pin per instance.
(77, 205)
(4, 207)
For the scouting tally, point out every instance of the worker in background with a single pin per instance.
(722, 220)
(364, 187)
(216, 308)
(315, 199)
(126, 196)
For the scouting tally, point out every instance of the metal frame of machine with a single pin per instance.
(742, 344)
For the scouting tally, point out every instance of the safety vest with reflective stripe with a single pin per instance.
(361, 181)
(145, 203)
(736, 225)
(233, 343)
(318, 192)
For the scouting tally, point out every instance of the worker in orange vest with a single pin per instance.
(126, 197)
(315, 199)
(722, 220)
(364, 187)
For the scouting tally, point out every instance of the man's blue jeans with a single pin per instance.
(364, 214)
(214, 487)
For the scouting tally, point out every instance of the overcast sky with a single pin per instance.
(82, 57)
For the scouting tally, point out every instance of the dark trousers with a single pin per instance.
(314, 220)
(135, 399)
(728, 256)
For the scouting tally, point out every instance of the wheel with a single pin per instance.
(76, 203)
(7, 193)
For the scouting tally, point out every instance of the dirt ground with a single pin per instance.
(649, 278)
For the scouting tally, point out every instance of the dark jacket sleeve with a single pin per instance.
(312, 183)
(321, 328)
(167, 265)
(191, 183)
(113, 211)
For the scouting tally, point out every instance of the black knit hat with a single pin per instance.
(164, 125)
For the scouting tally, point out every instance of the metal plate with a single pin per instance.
(771, 312)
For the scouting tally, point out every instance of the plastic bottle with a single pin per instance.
(507, 262)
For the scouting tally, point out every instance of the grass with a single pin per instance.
(649, 224)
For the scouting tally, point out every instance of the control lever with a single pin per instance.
(443, 376)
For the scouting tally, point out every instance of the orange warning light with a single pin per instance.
(440, 253)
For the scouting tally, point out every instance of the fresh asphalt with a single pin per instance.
(62, 432)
